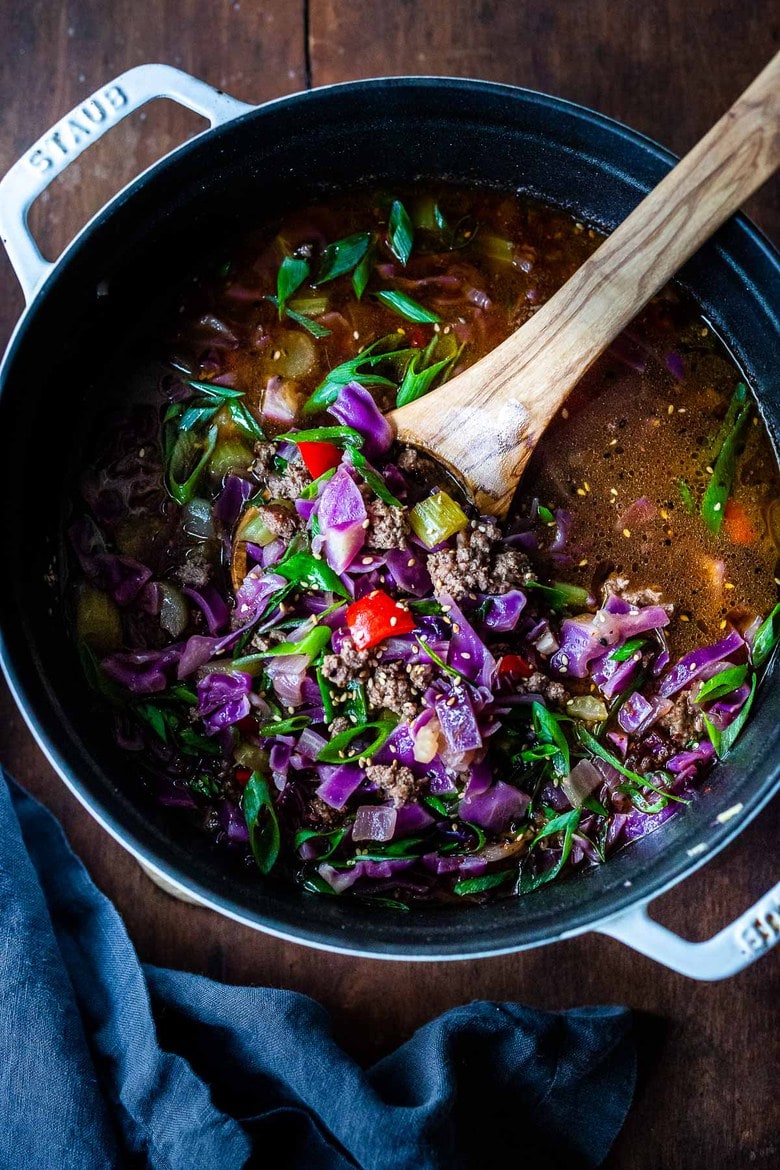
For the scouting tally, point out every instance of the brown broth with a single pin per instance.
(631, 429)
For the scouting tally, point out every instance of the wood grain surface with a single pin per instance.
(708, 1053)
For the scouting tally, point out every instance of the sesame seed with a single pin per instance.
(692, 667)
(393, 621)
(561, 670)
(670, 409)
(564, 413)
(448, 329)
(586, 485)
(717, 507)
(709, 470)
(723, 624)
(565, 659)
(626, 532)
(613, 491)
(356, 335)
(728, 585)
(277, 354)
(684, 617)
(613, 442)
(583, 563)
(580, 491)
(342, 756)
(664, 514)
(142, 452)
(393, 749)
(410, 563)
(465, 654)
(455, 628)
(682, 409)
(366, 523)
(437, 328)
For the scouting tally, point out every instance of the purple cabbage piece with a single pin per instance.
(287, 673)
(223, 699)
(468, 653)
(121, 577)
(254, 593)
(480, 778)
(339, 783)
(341, 514)
(471, 866)
(638, 714)
(410, 578)
(233, 822)
(612, 677)
(440, 783)
(457, 719)
(280, 754)
(593, 636)
(725, 710)
(399, 746)
(235, 492)
(503, 611)
(310, 742)
(496, 808)
(356, 408)
(690, 666)
(411, 818)
(142, 672)
(703, 754)
(305, 509)
(342, 879)
(563, 520)
(212, 605)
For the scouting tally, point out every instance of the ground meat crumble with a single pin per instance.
(394, 780)
(478, 564)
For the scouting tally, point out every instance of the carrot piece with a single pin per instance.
(737, 524)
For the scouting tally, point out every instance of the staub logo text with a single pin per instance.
(79, 126)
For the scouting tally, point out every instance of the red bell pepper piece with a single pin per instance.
(376, 617)
(242, 776)
(320, 457)
(515, 665)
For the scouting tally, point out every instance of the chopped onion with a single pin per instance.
(583, 779)
(374, 822)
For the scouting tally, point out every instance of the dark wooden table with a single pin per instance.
(667, 68)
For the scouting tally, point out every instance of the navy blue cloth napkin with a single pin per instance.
(106, 1063)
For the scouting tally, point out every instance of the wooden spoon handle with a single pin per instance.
(486, 422)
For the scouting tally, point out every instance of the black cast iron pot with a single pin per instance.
(259, 159)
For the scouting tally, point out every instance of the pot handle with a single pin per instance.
(738, 945)
(58, 147)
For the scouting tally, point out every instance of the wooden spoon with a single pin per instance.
(485, 423)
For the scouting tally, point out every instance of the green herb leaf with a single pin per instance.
(292, 273)
(439, 806)
(478, 885)
(407, 308)
(722, 683)
(245, 420)
(300, 319)
(285, 726)
(400, 232)
(191, 416)
(304, 569)
(594, 805)
(567, 823)
(223, 393)
(545, 515)
(154, 717)
(415, 384)
(636, 781)
(346, 436)
(628, 649)
(342, 256)
(373, 478)
(549, 731)
(561, 595)
(310, 491)
(362, 273)
(766, 638)
(312, 645)
(442, 665)
(332, 840)
(355, 370)
(719, 487)
(192, 743)
(723, 741)
(327, 702)
(262, 822)
(186, 449)
(340, 750)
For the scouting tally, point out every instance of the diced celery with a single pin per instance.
(586, 707)
(436, 518)
(253, 528)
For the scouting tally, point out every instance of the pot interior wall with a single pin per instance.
(55, 375)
